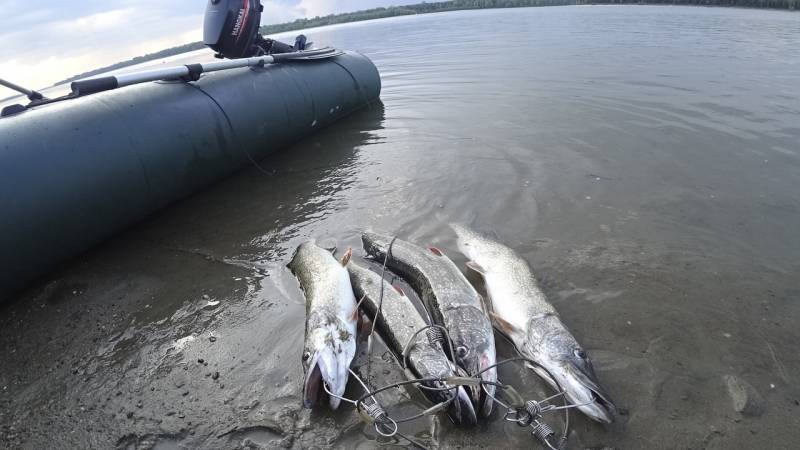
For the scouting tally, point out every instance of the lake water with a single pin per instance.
(644, 160)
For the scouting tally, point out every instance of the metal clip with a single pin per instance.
(542, 431)
(435, 335)
(463, 381)
(375, 414)
(533, 408)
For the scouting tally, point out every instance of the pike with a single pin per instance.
(331, 318)
(452, 303)
(521, 311)
(398, 323)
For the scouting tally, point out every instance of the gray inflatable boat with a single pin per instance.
(75, 171)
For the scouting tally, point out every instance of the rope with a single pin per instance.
(379, 312)
(524, 413)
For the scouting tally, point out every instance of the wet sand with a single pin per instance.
(655, 196)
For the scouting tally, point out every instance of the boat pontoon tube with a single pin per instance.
(75, 172)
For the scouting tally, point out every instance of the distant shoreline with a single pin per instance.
(427, 8)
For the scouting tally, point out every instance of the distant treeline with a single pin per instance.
(425, 8)
(769, 4)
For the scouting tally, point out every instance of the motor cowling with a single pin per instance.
(231, 27)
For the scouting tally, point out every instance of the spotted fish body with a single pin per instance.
(522, 311)
(330, 335)
(397, 325)
(451, 301)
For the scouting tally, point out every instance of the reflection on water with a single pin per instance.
(643, 159)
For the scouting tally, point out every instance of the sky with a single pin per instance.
(49, 40)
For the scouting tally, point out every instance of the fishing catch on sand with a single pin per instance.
(443, 337)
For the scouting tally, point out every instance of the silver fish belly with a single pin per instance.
(330, 335)
(397, 325)
(451, 301)
(522, 311)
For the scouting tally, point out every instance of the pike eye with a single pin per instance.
(461, 351)
(580, 353)
(306, 356)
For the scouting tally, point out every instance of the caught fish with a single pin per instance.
(397, 325)
(522, 311)
(331, 319)
(451, 301)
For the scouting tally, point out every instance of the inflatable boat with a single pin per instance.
(76, 169)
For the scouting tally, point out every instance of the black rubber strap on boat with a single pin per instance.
(195, 70)
(87, 87)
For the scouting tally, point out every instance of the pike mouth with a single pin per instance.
(602, 408)
(312, 388)
(606, 405)
(461, 410)
(486, 393)
(321, 379)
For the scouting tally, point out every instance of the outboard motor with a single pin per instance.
(231, 29)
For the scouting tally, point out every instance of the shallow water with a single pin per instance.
(644, 160)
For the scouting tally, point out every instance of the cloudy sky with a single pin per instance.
(48, 40)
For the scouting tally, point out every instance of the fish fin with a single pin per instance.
(399, 290)
(436, 251)
(347, 255)
(507, 328)
(354, 316)
(476, 267)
